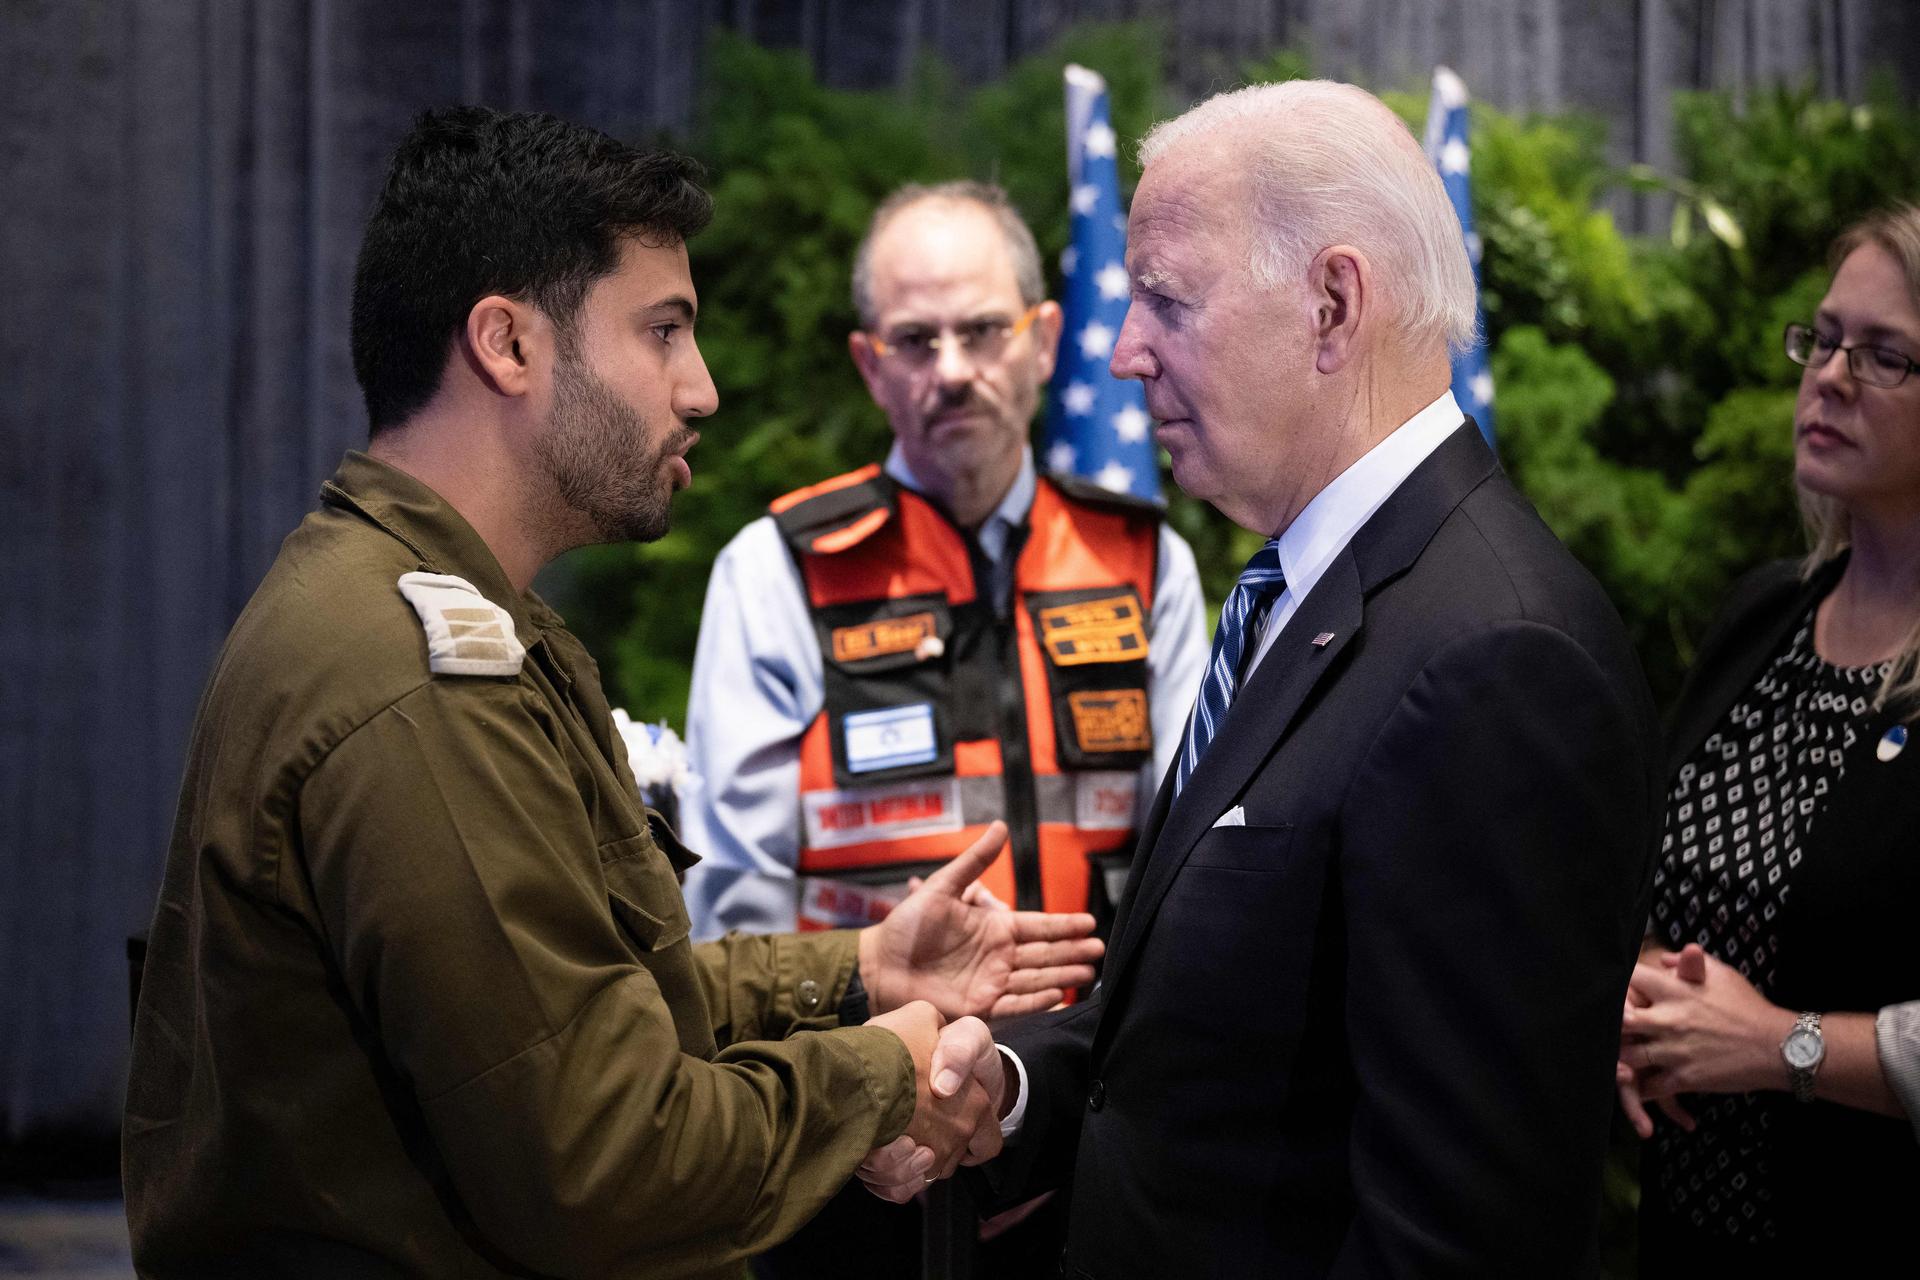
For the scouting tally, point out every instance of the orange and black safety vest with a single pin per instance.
(942, 714)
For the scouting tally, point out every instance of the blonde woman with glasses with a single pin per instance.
(1766, 1021)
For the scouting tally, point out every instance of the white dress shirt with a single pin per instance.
(1324, 528)
(1320, 532)
(758, 683)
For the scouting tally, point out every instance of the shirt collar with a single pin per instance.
(1008, 516)
(1336, 513)
(437, 534)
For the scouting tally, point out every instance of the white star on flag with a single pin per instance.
(1114, 478)
(1473, 247)
(1096, 341)
(1090, 430)
(1453, 156)
(1482, 385)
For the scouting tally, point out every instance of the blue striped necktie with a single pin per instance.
(1260, 585)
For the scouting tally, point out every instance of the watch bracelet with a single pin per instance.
(1800, 1079)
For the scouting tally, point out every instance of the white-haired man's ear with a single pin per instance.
(1337, 289)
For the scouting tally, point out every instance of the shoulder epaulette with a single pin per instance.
(467, 634)
(1085, 491)
(836, 514)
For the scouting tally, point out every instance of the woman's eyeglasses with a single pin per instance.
(1875, 366)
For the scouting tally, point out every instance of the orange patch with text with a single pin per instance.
(1105, 630)
(1111, 720)
(882, 638)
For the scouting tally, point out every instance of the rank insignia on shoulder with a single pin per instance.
(467, 634)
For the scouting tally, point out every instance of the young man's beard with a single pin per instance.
(596, 452)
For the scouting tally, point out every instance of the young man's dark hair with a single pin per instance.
(519, 204)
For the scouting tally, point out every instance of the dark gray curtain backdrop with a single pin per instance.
(184, 182)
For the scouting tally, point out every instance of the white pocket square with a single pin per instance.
(1234, 817)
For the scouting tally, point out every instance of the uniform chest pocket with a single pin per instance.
(643, 892)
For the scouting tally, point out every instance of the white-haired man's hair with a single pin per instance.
(1331, 164)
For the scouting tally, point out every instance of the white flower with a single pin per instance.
(655, 754)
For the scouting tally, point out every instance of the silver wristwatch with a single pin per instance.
(1804, 1050)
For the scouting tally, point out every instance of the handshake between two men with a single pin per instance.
(952, 950)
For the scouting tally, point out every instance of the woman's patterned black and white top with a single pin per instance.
(1736, 826)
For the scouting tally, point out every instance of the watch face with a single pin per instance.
(1803, 1049)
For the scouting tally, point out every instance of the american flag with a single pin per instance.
(1447, 147)
(1097, 425)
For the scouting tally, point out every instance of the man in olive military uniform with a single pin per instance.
(420, 997)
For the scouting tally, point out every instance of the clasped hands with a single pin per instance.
(1694, 1024)
(952, 950)
(958, 1096)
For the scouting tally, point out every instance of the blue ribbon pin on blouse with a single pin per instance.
(1891, 742)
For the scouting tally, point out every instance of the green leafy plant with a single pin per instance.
(1642, 398)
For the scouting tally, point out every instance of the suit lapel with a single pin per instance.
(1293, 668)
(1255, 723)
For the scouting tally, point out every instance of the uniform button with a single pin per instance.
(1097, 1095)
(809, 994)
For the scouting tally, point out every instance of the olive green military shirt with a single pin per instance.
(419, 997)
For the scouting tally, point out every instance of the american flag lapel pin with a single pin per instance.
(1323, 639)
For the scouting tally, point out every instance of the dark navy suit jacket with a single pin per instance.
(1372, 1031)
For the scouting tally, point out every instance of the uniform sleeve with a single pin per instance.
(1495, 847)
(1177, 649)
(757, 685)
(454, 867)
(768, 986)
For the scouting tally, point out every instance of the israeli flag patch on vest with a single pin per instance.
(467, 634)
(890, 738)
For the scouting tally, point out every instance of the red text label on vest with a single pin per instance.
(842, 904)
(1104, 800)
(894, 812)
